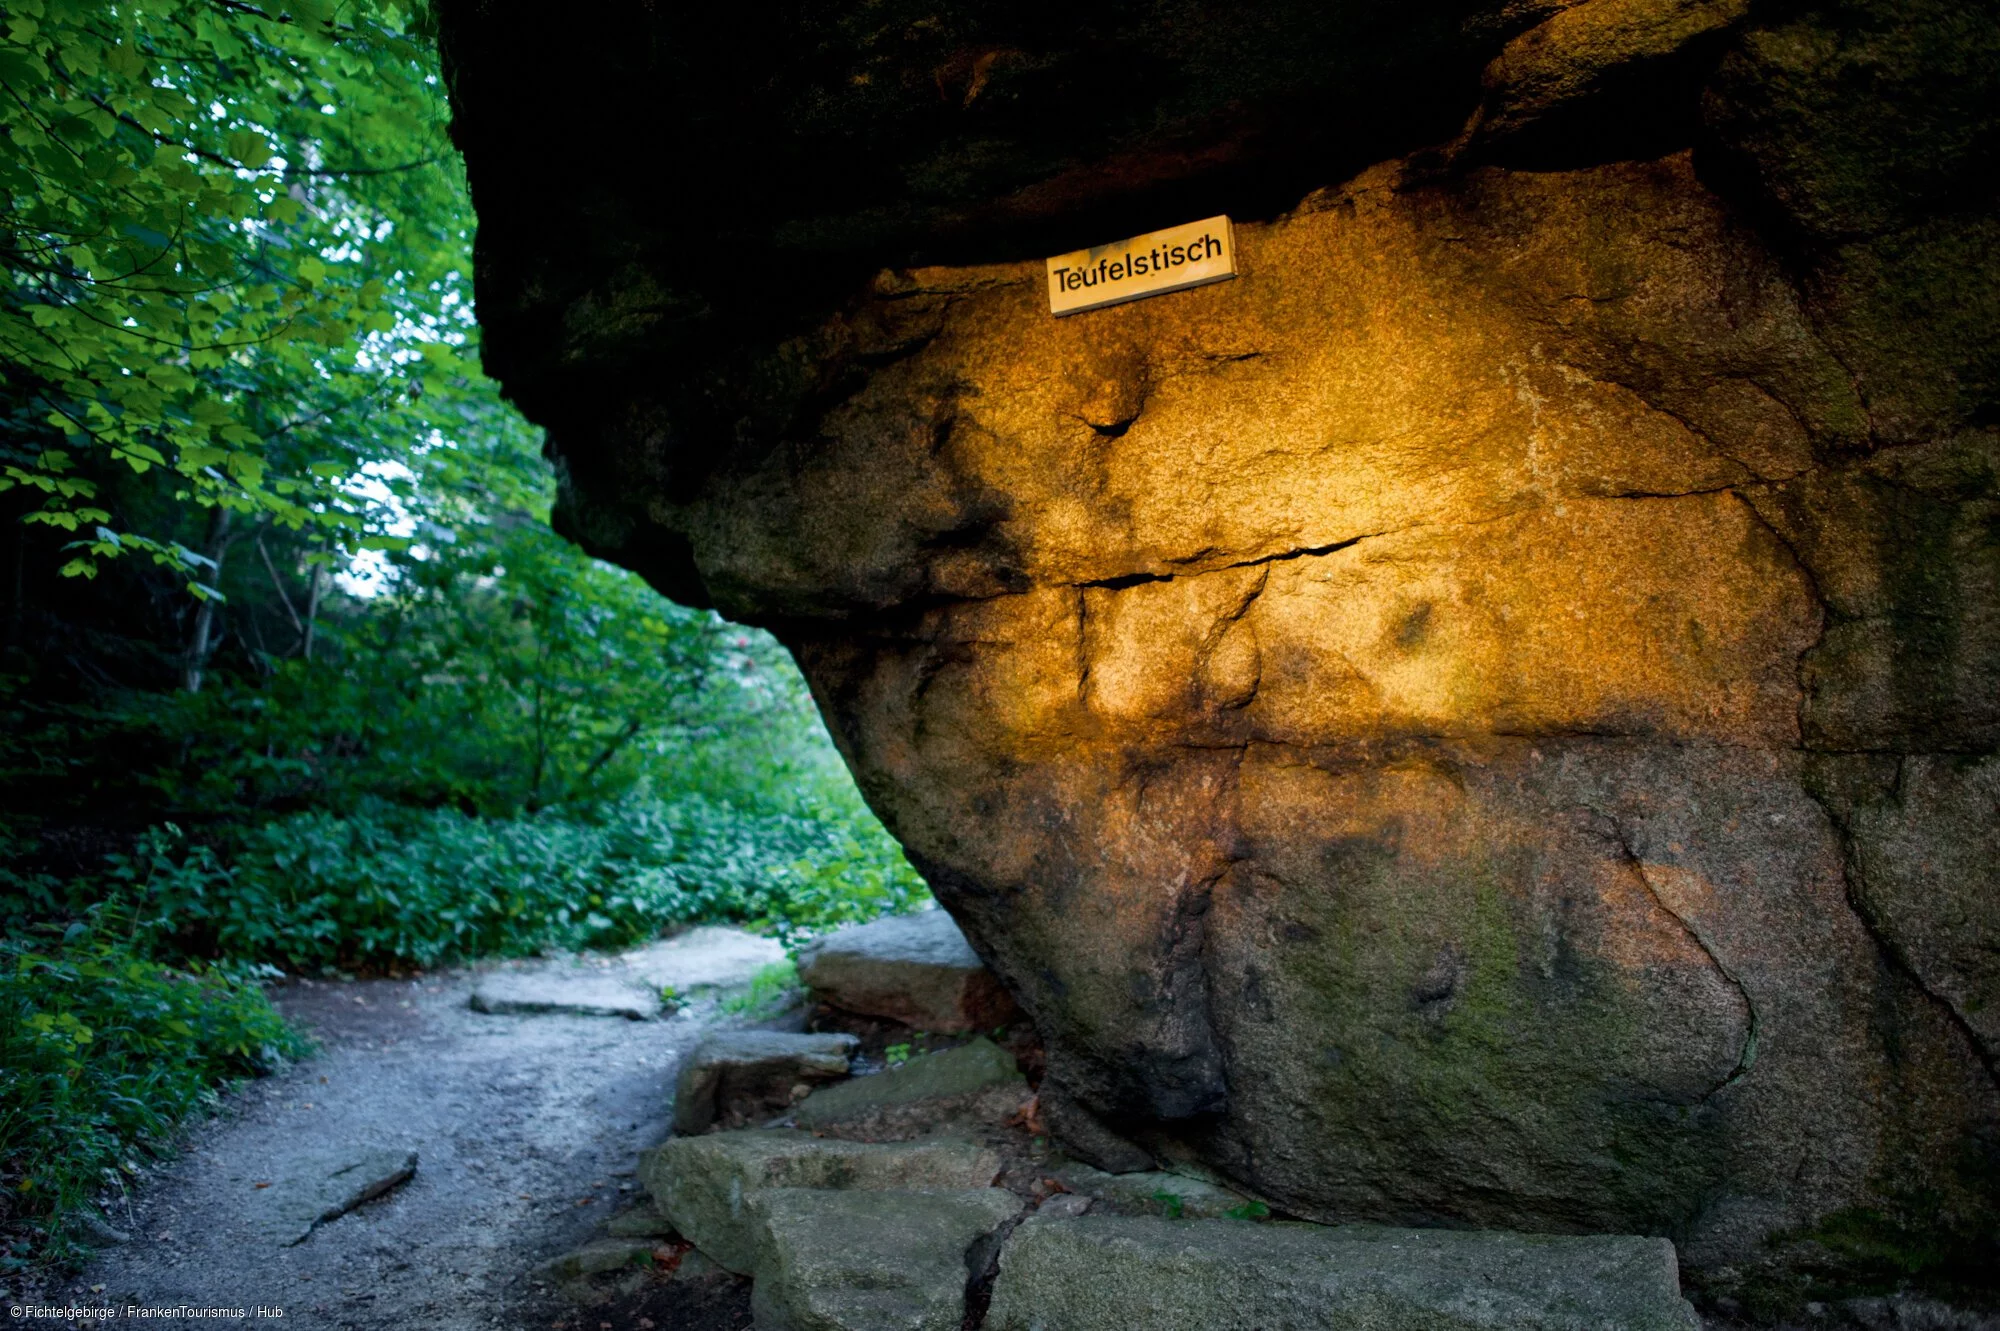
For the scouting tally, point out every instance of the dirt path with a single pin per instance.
(525, 1127)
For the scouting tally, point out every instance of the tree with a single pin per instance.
(234, 245)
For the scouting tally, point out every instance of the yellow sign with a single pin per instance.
(1150, 265)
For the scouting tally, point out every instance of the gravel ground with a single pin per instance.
(526, 1130)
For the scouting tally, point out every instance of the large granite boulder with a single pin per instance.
(1489, 717)
(915, 969)
(1107, 1273)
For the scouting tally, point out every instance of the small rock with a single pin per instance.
(640, 1222)
(1153, 1192)
(563, 992)
(1113, 1273)
(916, 969)
(979, 1075)
(869, 1261)
(701, 1183)
(751, 1074)
(1065, 1204)
(320, 1186)
(709, 957)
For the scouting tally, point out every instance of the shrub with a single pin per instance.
(386, 887)
(102, 1053)
(771, 990)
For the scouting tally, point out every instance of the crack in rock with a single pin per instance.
(1746, 1057)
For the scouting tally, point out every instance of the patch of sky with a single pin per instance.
(369, 573)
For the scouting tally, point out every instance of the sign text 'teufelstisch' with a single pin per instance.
(1180, 257)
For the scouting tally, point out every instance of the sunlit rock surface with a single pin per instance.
(1487, 718)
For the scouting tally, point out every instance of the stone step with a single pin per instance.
(640, 985)
(741, 1075)
(978, 1078)
(567, 992)
(708, 957)
(916, 969)
(890, 1260)
(703, 1185)
(1113, 1273)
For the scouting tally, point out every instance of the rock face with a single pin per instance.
(1112, 1274)
(916, 969)
(1490, 717)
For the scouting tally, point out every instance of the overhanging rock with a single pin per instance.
(1489, 715)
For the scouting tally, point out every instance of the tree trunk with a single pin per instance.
(201, 640)
(284, 597)
(312, 610)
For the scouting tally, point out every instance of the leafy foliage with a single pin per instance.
(102, 1052)
(503, 673)
(222, 263)
(771, 990)
(389, 887)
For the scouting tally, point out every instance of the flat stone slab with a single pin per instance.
(709, 957)
(569, 992)
(978, 1070)
(1113, 1273)
(1153, 1192)
(320, 1186)
(885, 1260)
(703, 1184)
(741, 1075)
(916, 969)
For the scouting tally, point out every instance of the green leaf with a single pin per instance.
(248, 147)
